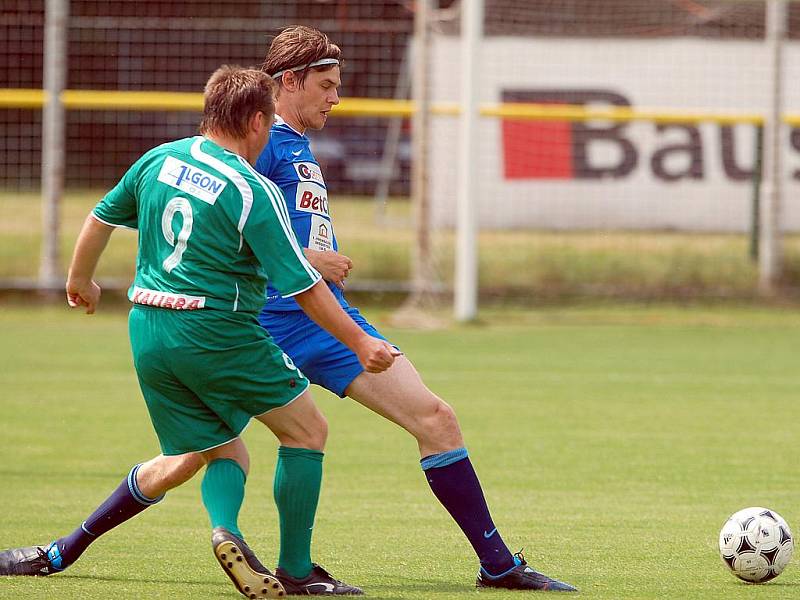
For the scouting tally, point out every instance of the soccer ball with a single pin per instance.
(756, 543)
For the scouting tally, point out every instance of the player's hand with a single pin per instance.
(376, 355)
(333, 267)
(83, 294)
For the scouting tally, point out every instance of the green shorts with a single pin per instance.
(205, 373)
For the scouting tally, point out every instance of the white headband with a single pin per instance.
(316, 63)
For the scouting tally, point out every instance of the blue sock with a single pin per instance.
(455, 484)
(125, 502)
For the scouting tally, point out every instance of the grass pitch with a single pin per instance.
(612, 444)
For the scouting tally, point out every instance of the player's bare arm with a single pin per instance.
(82, 290)
(333, 267)
(374, 354)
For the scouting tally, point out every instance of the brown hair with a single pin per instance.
(299, 45)
(232, 96)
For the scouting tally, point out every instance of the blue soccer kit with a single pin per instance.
(287, 161)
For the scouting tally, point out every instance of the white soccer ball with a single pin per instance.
(756, 543)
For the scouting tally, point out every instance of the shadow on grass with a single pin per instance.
(418, 586)
(426, 587)
(155, 580)
(769, 584)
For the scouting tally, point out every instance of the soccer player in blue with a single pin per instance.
(306, 67)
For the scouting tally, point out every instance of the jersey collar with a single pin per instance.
(279, 120)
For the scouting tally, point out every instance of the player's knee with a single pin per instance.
(440, 428)
(186, 468)
(164, 473)
(176, 470)
(446, 419)
(318, 434)
(311, 434)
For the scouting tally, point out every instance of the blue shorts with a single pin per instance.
(322, 358)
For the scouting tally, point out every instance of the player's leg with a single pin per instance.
(251, 377)
(302, 431)
(144, 486)
(327, 362)
(189, 417)
(222, 488)
(400, 395)
(201, 391)
(223, 493)
(160, 474)
(298, 471)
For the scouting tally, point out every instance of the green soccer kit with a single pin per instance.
(212, 232)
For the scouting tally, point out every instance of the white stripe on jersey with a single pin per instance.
(275, 196)
(99, 220)
(234, 176)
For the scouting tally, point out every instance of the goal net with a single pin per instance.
(618, 143)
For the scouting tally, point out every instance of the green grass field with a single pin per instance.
(612, 443)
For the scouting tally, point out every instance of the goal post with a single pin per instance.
(466, 264)
(53, 140)
(770, 255)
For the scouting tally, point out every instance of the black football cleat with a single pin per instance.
(522, 577)
(317, 583)
(31, 561)
(240, 563)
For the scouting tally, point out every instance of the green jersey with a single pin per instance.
(212, 231)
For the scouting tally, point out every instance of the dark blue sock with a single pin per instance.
(127, 501)
(455, 484)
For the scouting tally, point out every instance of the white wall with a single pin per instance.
(688, 75)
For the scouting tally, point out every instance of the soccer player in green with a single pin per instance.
(212, 232)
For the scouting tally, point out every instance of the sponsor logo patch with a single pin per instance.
(312, 198)
(308, 171)
(167, 299)
(320, 237)
(190, 179)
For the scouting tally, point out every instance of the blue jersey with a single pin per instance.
(287, 161)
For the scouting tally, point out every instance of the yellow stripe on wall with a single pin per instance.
(376, 107)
